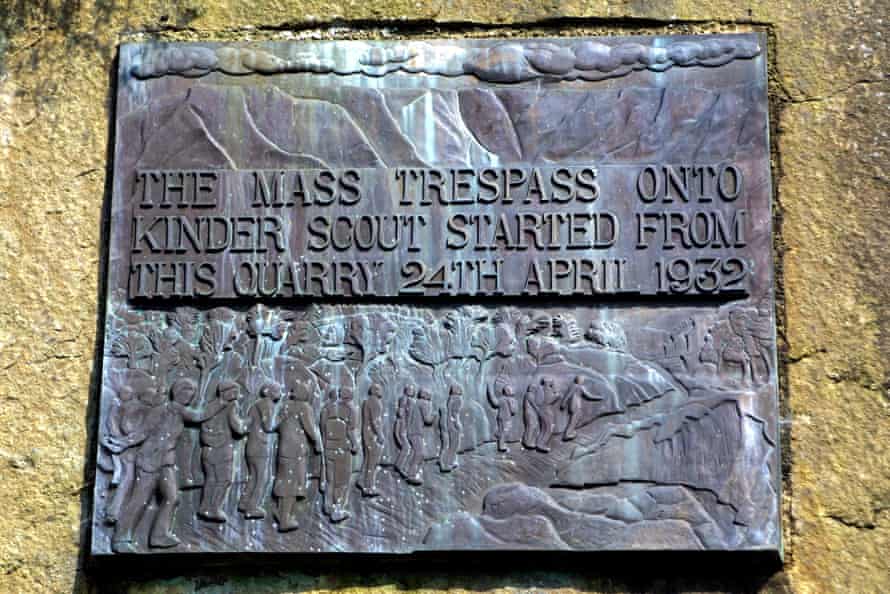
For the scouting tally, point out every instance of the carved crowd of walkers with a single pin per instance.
(270, 440)
(145, 428)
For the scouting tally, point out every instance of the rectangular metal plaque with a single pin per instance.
(438, 295)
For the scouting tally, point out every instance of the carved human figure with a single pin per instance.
(734, 354)
(680, 340)
(338, 427)
(186, 355)
(385, 334)
(372, 440)
(123, 418)
(530, 417)
(502, 398)
(156, 439)
(403, 407)
(354, 342)
(297, 430)
(420, 415)
(607, 335)
(265, 326)
(572, 402)
(708, 356)
(755, 335)
(186, 460)
(539, 413)
(565, 327)
(450, 429)
(219, 432)
(262, 421)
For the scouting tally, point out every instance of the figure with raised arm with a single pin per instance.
(155, 468)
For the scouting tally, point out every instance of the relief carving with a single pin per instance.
(373, 440)
(221, 425)
(298, 438)
(440, 295)
(440, 390)
(501, 63)
(450, 429)
(339, 426)
(262, 424)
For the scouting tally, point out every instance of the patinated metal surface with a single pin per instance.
(389, 297)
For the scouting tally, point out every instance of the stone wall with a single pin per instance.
(829, 117)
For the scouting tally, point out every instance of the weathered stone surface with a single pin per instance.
(829, 86)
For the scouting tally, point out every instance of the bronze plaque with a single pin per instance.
(440, 295)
